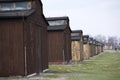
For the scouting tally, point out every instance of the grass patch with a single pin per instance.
(103, 67)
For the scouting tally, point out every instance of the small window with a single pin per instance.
(22, 5)
(8, 6)
(15, 6)
(75, 34)
(85, 39)
(57, 22)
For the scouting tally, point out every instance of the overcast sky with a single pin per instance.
(94, 17)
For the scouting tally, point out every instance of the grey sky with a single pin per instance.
(94, 17)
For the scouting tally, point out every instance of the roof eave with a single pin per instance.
(16, 14)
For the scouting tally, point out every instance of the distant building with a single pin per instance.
(91, 40)
(59, 40)
(94, 47)
(108, 46)
(77, 45)
(86, 47)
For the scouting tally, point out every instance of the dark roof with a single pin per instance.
(77, 31)
(56, 28)
(13, 0)
(57, 18)
(75, 38)
(94, 41)
(85, 39)
(97, 43)
(75, 35)
(14, 14)
(91, 40)
(87, 36)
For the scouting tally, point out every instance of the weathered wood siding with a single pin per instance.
(36, 34)
(56, 47)
(77, 45)
(75, 50)
(11, 47)
(102, 46)
(23, 44)
(91, 50)
(81, 49)
(94, 49)
(59, 47)
(67, 45)
(86, 51)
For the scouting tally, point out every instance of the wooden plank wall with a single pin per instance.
(86, 51)
(11, 47)
(55, 47)
(81, 49)
(75, 50)
(67, 45)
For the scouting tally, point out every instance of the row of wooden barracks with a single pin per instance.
(29, 42)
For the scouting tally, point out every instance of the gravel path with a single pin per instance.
(62, 76)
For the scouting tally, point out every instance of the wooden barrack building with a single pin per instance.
(77, 45)
(91, 40)
(23, 38)
(86, 47)
(59, 40)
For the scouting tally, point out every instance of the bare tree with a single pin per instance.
(110, 42)
(100, 38)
